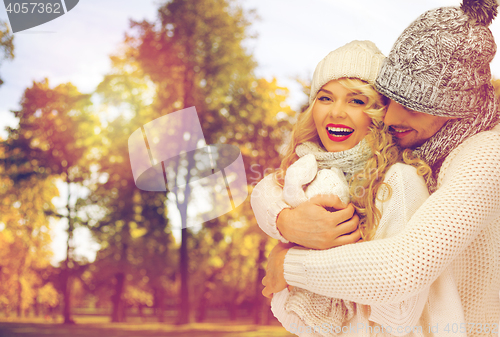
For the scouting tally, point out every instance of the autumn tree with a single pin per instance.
(193, 55)
(6, 43)
(24, 241)
(133, 230)
(54, 139)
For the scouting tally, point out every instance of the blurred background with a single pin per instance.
(77, 238)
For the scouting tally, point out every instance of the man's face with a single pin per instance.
(411, 128)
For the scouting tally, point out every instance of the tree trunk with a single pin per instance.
(261, 272)
(184, 309)
(159, 304)
(201, 313)
(36, 305)
(184, 316)
(19, 297)
(68, 263)
(188, 101)
(233, 307)
(141, 313)
(205, 296)
(118, 314)
(66, 282)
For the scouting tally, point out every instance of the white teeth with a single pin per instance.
(332, 129)
(400, 131)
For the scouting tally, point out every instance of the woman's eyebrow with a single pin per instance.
(349, 94)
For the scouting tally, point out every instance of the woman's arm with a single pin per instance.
(267, 202)
(396, 268)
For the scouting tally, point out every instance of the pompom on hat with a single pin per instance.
(357, 59)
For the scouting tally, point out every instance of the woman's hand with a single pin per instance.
(274, 281)
(321, 222)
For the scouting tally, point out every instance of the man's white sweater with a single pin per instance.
(453, 237)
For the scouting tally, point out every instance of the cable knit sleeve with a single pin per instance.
(398, 267)
(267, 202)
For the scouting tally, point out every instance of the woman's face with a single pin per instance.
(339, 117)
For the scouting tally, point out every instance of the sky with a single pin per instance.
(292, 36)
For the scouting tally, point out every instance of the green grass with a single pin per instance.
(100, 327)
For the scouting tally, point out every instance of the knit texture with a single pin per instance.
(357, 59)
(349, 161)
(304, 308)
(303, 180)
(454, 235)
(304, 174)
(440, 65)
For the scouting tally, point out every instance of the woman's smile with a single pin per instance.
(339, 132)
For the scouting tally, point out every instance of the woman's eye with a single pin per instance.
(358, 101)
(324, 98)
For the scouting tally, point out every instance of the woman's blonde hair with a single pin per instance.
(364, 185)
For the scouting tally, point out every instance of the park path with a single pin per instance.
(15, 329)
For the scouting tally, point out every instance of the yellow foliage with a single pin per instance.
(24, 240)
(136, 296)
(496, 85)
(48, 296)
(216, 262)
(136, 232)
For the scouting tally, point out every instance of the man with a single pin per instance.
(443, 106)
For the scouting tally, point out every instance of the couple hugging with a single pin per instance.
(387, 204)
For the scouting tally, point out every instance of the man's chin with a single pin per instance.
(407, 144)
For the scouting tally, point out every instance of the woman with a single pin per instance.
(342, 134)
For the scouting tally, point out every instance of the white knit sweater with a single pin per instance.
(303, 308)
(453, 237)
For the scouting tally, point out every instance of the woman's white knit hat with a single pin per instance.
(357, 59)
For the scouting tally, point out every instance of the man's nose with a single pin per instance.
(394, 114)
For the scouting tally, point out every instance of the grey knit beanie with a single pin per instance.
(357, 59)
(440, 64)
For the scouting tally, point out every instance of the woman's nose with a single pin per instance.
(338, 110)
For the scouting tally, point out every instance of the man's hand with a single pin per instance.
(274, 281)
(313, 226)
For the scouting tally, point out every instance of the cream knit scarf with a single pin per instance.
(435, 150)
(349, 161)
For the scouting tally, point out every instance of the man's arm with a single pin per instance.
(393, 269)
(311, 225)
(314, 309)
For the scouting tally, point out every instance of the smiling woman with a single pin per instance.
(339, 116)
(340, 148)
